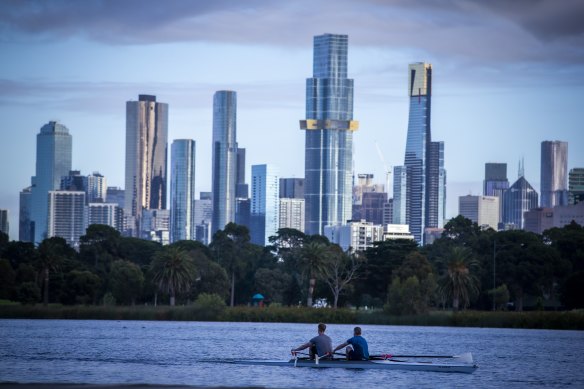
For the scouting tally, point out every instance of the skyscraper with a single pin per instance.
(4, 225)
(265, 202)
(182, 190)
(483, 210)
(292, 188)
(496, 183)
(576, 185)
(66, 215)
(25, 224)
(421, 182)
(241, 188)
(554, 173)
(53, 161)
(224, 158)
(329, 129)
(146, 158)
(518, 199)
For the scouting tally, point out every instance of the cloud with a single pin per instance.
(472, 30)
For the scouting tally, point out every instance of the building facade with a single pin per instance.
(518, 199)
(397, 231)
(66, 215)
(241, 187)
(496, 183)
(146, 159)
(399, 194)
(203, 214)
(53, 161)
(576, 186)
(182, 190)
(292, 213)
(4, 225)
(292, 188)
(224, 158)
(25, 224)
(265, 202)
(554, 173)
(355, 235)
(109, 214)
(483, 210)
(329, 127)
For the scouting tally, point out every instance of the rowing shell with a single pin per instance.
(386, 364)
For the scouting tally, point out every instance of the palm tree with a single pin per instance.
(313, 259)
(173, 271)
(459, 283)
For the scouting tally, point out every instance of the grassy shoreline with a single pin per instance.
(572, 320)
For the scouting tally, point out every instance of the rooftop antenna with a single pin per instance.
(387, 169)
(521, 170)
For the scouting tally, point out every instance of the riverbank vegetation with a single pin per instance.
(453, 281)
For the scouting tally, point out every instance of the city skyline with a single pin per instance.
(507, 97)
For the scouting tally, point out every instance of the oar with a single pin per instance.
(466, 357)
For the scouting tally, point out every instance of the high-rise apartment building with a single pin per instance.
(241, 188)
(4, 225)
(94, 185)
(156, 225)
(203, 214)
(292, 188)
(372, 207)
(423, 188)
(109, 214)
(224, 158)
(355, 235)
(182, 190)
(496, 183)
(66, 215)
(329, 127)
(483, 210)
(518, 199)
(292, 213)
(116, 195)
(25, 224)
(265, 202)
(146, 159)
(554, 173)
(576, 185)
(53, 161)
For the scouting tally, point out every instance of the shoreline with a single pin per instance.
(15, 385)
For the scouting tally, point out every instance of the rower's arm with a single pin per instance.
(340, 346)
(302, 347)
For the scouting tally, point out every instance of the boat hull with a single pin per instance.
(381, 364)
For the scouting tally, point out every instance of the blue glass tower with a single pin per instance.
(182, 189)
(329, 129)
(265, 203)
(224, 158)
(53, 161)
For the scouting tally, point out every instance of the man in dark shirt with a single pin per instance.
(357, 348)
(320, 345)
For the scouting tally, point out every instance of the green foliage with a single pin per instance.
(500, 296)
(126, 281)
(173, 271)
(28, 293)
(53, 252)
(7, 279)
(460, 284)
(82, 287)
(272, 283)
(572, 292)
(209, 307)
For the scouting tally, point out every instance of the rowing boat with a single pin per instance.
(386, 364)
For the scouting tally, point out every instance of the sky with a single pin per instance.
(507, 75)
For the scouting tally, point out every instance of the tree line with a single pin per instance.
(468, 267)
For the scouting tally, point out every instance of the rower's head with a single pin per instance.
(357, 331)
(321, 328)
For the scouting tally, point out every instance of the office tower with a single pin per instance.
(496, 183)
(66, 215)
(292, 188)
(96, 188)
(53, 161)
(243, 212)
(116, 195)
(74, 181)
(388, 213)
(265, 201)
(25, 224)
(4, 225)
(518, 199)
(241, 188)
(576, 185)
(483, 210)
(224, 158)
(554, 173)
(435, 186)
(399, 231)
(372, 207)
(146, 159)
(203, 214)
(355, 235)
(399, 194)
(292, 213)
(109, 214)
(182, 190)
(364, 185)
(156, 225)
(329, 129)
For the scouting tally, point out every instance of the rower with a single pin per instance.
(357, 348)
(320, 345)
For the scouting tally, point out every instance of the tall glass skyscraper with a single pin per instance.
(224, 158)
(182, 190)
(53, 161)
(554, 173)
(329, 129)
(265, 203)
(496, 183)
(518, 199)
(146, 158)
(424, 191)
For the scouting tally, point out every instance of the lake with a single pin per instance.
(195, 353)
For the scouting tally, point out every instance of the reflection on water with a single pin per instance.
(195, 353)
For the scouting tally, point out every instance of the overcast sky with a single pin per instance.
(507, 75)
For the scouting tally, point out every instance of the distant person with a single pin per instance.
(320, 345)
(357, 348)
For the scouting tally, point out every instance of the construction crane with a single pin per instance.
(387, 169)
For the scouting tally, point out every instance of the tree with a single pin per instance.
(314, 257)
(272, 283)
(230, 247)
(7, 278)
(173, 271)
(461, 230)
(500, 296)
(53, 251)
(126, 281)
(340, 270)
(82, 287)
(460, 283)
